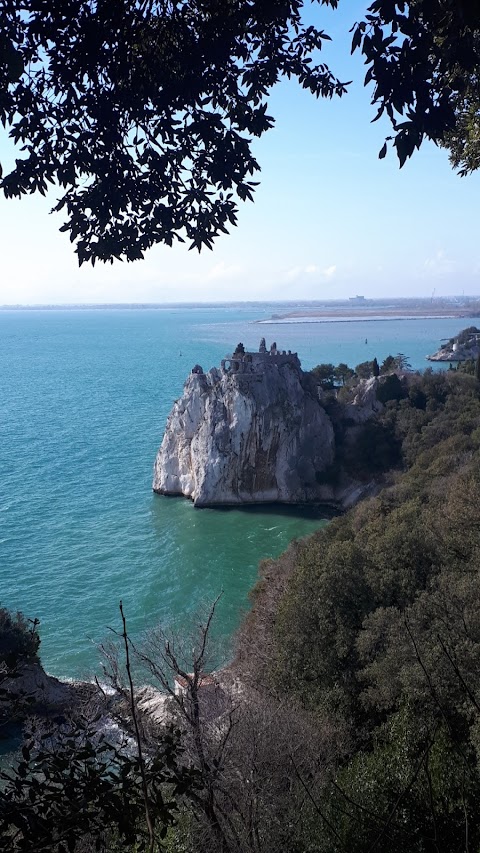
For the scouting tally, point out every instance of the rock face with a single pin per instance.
(32, 691)
(252, 432)
(458, 354)
(465, 346)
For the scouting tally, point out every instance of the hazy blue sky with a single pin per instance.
(329, 220)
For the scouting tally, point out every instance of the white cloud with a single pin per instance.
(293, 273)
(299, 272)
(329, 271)
(221, 270)
(439, 264)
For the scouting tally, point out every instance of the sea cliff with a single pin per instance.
(464, 346)
(254, 431)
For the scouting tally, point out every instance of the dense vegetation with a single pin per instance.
(358, 728)
(72, 788)
(19, 639)
(329, 376)
(377, 633)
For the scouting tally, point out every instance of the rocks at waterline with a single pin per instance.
(247, 433)
(31, 691)
(254, 431)
(465, 346)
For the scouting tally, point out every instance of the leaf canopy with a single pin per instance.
(143, 111)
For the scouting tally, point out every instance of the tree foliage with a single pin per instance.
(364, 370)
(142, 113)
(73, 790)
(423, 59)
(378, 630)
(359, 731)
(463, 141)
(343, 373)
(19, 639)
(242, 746)
(324, 375)
(388, 364)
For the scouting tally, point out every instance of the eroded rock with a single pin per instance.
(249, 433)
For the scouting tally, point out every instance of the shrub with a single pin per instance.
(390, 389)
(19, 639)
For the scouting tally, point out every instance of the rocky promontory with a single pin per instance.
(465, 346)
(256, 431)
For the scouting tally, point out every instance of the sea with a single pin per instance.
(84, 397)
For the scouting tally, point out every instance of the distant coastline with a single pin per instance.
(296, 310)
(339, 317)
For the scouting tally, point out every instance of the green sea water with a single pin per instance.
(84, 396)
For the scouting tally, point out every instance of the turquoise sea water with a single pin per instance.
(84, 395)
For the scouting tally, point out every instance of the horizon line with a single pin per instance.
(18, 306)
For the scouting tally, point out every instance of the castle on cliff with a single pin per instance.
(246, 363)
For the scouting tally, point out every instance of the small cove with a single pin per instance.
(85, 395)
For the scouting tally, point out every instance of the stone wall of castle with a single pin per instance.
(245, 363)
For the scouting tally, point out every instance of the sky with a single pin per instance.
(329, 221)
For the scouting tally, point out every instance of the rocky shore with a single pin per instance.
(255, 431)
(31, 692)
(465, 346)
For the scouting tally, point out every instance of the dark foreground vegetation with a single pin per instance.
(373, 627)
(141, 114)
(357, 725)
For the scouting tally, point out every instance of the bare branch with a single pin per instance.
(137, 733)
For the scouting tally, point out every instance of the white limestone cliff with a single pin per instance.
(250, 433)
(365, 403)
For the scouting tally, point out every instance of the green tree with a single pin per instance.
(463, 141)
(411, 788)
(142, 113)
(343, 373)
(364, 370)
(390, 388)
(373, 449)
(324, 375)
(75, 791)
(375, 368)
(466, 335)
(19, 644)
(423, 58)
(388, 364)
(402, 362)
(19, 639)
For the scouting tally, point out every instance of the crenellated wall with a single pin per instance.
(257, 362)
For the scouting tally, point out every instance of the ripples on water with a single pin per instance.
(84, 396)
